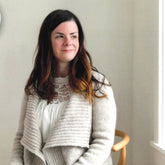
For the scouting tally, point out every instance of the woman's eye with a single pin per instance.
(74, 36)
(59, 36)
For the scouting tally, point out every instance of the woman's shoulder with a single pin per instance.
(99, 77)
(101, 84)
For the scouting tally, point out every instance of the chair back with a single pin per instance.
(121, 146)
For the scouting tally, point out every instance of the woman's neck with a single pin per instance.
(62, 70)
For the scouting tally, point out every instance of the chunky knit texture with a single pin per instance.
(84, 133)
(49, 114)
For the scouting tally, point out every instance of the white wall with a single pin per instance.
(145, 83)
(158, 157)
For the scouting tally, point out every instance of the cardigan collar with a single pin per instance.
(72, 129)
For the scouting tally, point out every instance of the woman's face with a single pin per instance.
(65, 41)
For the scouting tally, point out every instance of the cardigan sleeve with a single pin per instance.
(17, 151)
(103, 130)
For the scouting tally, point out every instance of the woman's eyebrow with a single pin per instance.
(59, 33)
(73, 33)
(63, 33)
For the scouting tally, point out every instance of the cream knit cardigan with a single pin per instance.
(84, 133)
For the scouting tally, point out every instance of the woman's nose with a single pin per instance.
(68, 41)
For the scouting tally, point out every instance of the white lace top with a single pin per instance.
(49, 114)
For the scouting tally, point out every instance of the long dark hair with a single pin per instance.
(41, 80)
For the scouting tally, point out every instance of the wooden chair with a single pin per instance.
(121, 146)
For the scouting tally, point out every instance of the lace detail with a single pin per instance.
(63, 89)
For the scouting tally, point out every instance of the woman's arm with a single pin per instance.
(17, 152)
(103, 124)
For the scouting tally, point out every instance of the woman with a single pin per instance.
(68, 115)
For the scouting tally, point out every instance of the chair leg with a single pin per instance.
(122, 156)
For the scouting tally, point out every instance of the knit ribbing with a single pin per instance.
(31, 135)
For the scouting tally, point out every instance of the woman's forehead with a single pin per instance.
(68, 26)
